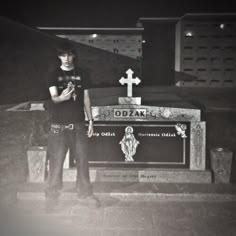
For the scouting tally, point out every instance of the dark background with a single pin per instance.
(27, 54)
(104, 13)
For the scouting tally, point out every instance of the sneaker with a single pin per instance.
(90, 201)
(51, 204)
(82, 196)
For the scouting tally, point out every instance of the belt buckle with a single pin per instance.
(70, 126)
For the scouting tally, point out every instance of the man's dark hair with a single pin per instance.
(65, 47)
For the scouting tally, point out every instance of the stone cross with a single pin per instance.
(129, 81)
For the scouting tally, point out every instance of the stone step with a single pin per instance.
(138, 191)
(145, 175)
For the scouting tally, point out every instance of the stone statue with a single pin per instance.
(129, 144)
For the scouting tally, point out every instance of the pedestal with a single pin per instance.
(37, 163)
(129, 101)
(221, 162)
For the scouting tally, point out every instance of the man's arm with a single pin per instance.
(64, 96)
(88, 110)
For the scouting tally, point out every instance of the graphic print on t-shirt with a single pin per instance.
(70, 81)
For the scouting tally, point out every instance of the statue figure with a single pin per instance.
(129, 144)
(181, 128)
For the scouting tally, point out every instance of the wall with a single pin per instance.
(206, 50)
(129, 45)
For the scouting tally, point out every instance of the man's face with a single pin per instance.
(67, 59)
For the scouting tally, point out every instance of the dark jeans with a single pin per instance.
(59, 141)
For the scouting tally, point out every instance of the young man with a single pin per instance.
(68, 87)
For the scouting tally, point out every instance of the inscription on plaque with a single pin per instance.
(130, 113)
(165, 144)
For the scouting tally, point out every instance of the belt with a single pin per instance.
(59, 126)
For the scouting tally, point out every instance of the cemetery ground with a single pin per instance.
(126, 208)
(129, 209)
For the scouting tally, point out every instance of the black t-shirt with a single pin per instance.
(71, 111)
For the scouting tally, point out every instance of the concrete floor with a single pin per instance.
(126, 210)
(123, 218)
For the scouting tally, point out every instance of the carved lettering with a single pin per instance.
(129, 113)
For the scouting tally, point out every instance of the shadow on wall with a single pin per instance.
(28, 55)
(184, 77)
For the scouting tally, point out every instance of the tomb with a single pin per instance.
(139, 143)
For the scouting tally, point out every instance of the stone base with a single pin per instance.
(221, 164)
(143, 175)
(36, 162)
(129, 101)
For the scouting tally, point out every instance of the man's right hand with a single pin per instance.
(66, 94)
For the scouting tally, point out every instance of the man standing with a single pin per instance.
(68, 87)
